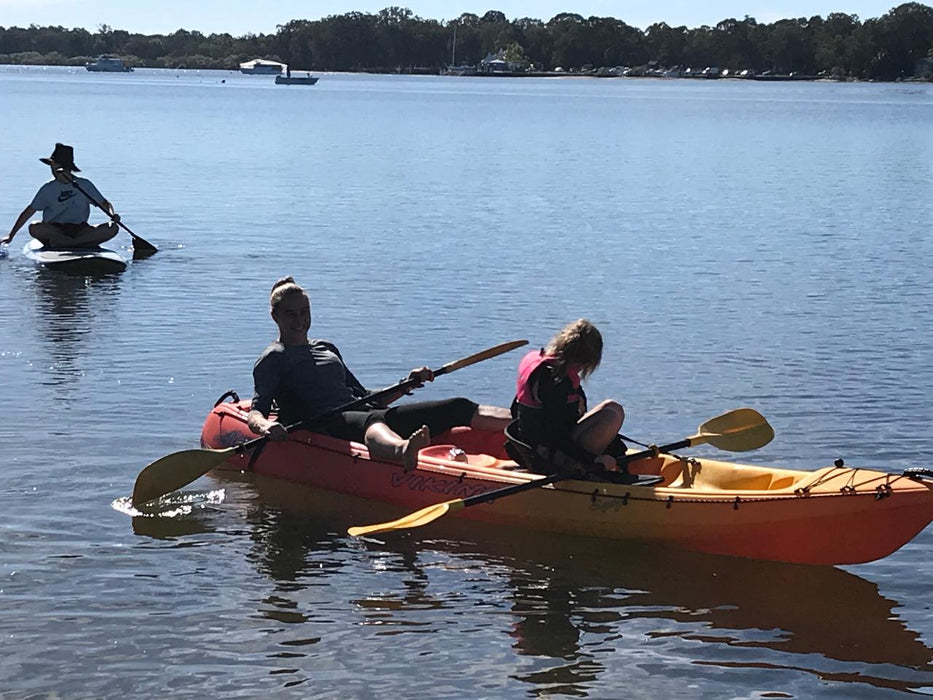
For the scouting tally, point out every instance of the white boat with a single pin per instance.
(260, 66)
(108, 64)
(94, 260)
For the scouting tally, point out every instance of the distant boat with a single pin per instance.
(289, 79)
(108, 64)
(453, 68)
(261, 66)
(459, 70)
(767, 75)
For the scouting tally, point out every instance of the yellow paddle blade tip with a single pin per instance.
(416, 519)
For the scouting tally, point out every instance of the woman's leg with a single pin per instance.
(95, 235)
(595, 430)
(440, 416)
(384, 443)
(418, 420)
(49, 235)
(53, 236)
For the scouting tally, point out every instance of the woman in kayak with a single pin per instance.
(550, 410)
(306, 378)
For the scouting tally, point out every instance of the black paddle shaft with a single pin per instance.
(653, 451)
(138, 241)
(402, 386)
(560, 476)
(308, 423)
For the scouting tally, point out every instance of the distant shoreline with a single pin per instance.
(894, 47)
(575, 75)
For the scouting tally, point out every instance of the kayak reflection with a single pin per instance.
(563, 587)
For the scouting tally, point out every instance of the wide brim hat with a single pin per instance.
(64, 156)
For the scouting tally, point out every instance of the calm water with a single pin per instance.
(738, 244)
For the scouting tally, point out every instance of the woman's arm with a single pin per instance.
(261, 425)
(266, 374)
(109, 210)
(18, 224)
(419, 376)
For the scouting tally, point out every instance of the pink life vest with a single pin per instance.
(524, 391)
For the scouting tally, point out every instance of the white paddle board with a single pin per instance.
(95, 260)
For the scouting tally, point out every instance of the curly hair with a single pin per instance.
(283, 288)
(578, 343)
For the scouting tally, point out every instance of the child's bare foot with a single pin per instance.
(409, 449)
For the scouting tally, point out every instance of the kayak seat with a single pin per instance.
(488, 442)
(711, 474)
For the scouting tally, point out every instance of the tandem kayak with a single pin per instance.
(91, 260)
(829, 516)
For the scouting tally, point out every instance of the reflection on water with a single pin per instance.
(178, 515)
(568, 604)
(67, 309)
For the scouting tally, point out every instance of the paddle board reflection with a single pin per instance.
(67, 311)
(561, 590)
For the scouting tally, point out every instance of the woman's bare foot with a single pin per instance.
(408, 450)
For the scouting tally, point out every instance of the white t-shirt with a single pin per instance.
(63, 203)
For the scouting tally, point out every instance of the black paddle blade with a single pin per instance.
(173, 471)
(143, 252)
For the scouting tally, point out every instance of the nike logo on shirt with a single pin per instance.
(66, 195)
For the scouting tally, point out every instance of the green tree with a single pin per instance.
(666, 45)
(787, 48)
(905, 35)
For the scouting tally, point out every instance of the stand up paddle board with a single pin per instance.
(94, 260)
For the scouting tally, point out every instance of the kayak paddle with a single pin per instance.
(179, 469)
(738, 431)
(141, 247)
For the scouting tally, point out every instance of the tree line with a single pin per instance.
(894, 46)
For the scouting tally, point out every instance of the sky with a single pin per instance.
(239, 17)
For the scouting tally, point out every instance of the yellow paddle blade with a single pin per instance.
(416, 519)
(173, 471)
(739, 430)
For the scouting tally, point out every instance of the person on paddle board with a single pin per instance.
(550, 412)
(307, 377)
(65, 208)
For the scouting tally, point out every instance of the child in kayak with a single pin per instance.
(66, 208)
(550, 412)
(307, 377)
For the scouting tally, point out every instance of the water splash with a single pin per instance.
(174, 505)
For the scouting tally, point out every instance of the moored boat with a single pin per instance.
(290, 79)
(832, 515)
(261, 66)
(108, 64)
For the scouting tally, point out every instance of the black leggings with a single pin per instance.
(439, 416)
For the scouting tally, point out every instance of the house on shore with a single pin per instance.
(497, 63)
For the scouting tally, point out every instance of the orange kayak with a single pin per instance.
(833, 515)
